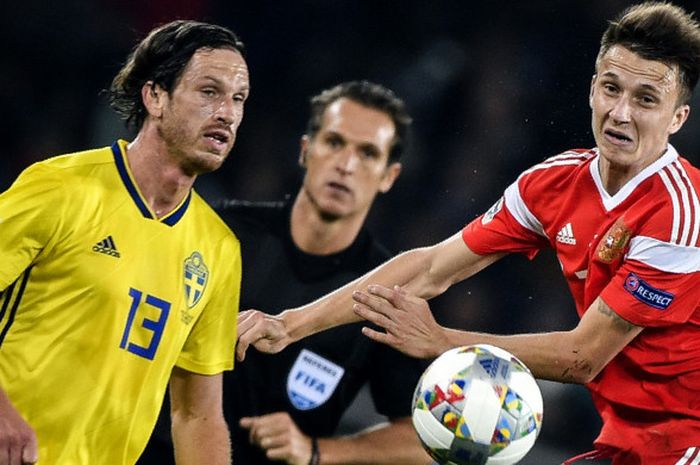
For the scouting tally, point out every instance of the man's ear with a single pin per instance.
(303, 150)
(679, 118)
(154, 98)
(392, 172)
(590, 93)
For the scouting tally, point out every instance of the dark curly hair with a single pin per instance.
(161, 58)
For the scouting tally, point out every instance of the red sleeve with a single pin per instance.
(645, 296)
(658, 283)
(498, 231)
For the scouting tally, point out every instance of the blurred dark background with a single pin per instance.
(493, 87)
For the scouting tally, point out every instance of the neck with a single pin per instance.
(159, 178)
(314, 234)
(614, 176)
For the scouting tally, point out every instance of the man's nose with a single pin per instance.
(622, 110)
(226, 112)
(347, 160)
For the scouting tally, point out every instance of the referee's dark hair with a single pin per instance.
(161, 58)
(370, 95)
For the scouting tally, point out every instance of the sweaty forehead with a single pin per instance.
(621, 62)
(223, 59)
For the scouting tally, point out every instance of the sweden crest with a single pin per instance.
(195, 276)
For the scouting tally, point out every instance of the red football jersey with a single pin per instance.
(638, 250)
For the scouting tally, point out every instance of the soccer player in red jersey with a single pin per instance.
(624, 220)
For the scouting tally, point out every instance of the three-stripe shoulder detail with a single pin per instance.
(685, 227)
(10, 302)
(571, 157)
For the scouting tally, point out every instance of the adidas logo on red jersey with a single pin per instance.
(566, 235)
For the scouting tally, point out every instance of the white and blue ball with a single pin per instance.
(477, 405)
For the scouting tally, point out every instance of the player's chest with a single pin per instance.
(140, 263)
(585, 234)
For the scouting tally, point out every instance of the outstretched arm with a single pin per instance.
(425, 272)
(200, 434)
(574, 356)
(389, 443)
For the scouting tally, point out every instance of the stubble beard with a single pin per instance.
(192, 161)
(323, 214)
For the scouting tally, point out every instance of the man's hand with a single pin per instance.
(267, 333)
(279, 436)
(409, 324)
(18, 444)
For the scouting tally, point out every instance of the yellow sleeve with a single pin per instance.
(209, 348)
(30, 216)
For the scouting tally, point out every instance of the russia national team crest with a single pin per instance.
(612, 245)
(312, 380)
(195, 276)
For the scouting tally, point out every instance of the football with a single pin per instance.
(477, 405)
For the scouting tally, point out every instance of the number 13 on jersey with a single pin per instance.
(156, 326)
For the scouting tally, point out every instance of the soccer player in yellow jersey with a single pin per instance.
(116, 277)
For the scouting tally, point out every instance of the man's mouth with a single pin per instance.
(617, 136)
(338, 187)
(219, 136)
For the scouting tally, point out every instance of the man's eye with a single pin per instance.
(369, 152)
(334, 142)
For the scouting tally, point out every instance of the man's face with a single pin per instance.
(635, 109)
(201, 114)
(347, 160)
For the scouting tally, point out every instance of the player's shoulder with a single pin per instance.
(80, 159)
(664, 219)
(207, 215)
(677, 178)
(671, 204)
(62, 175)
(546, 181)
(71, 163)
(202, 216)
(563, 165)
(683, 169)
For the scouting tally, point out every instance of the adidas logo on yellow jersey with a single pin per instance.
(107, 247)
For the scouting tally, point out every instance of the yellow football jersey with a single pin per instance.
(100, 300)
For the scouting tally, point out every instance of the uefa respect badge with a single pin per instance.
(647, 294)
